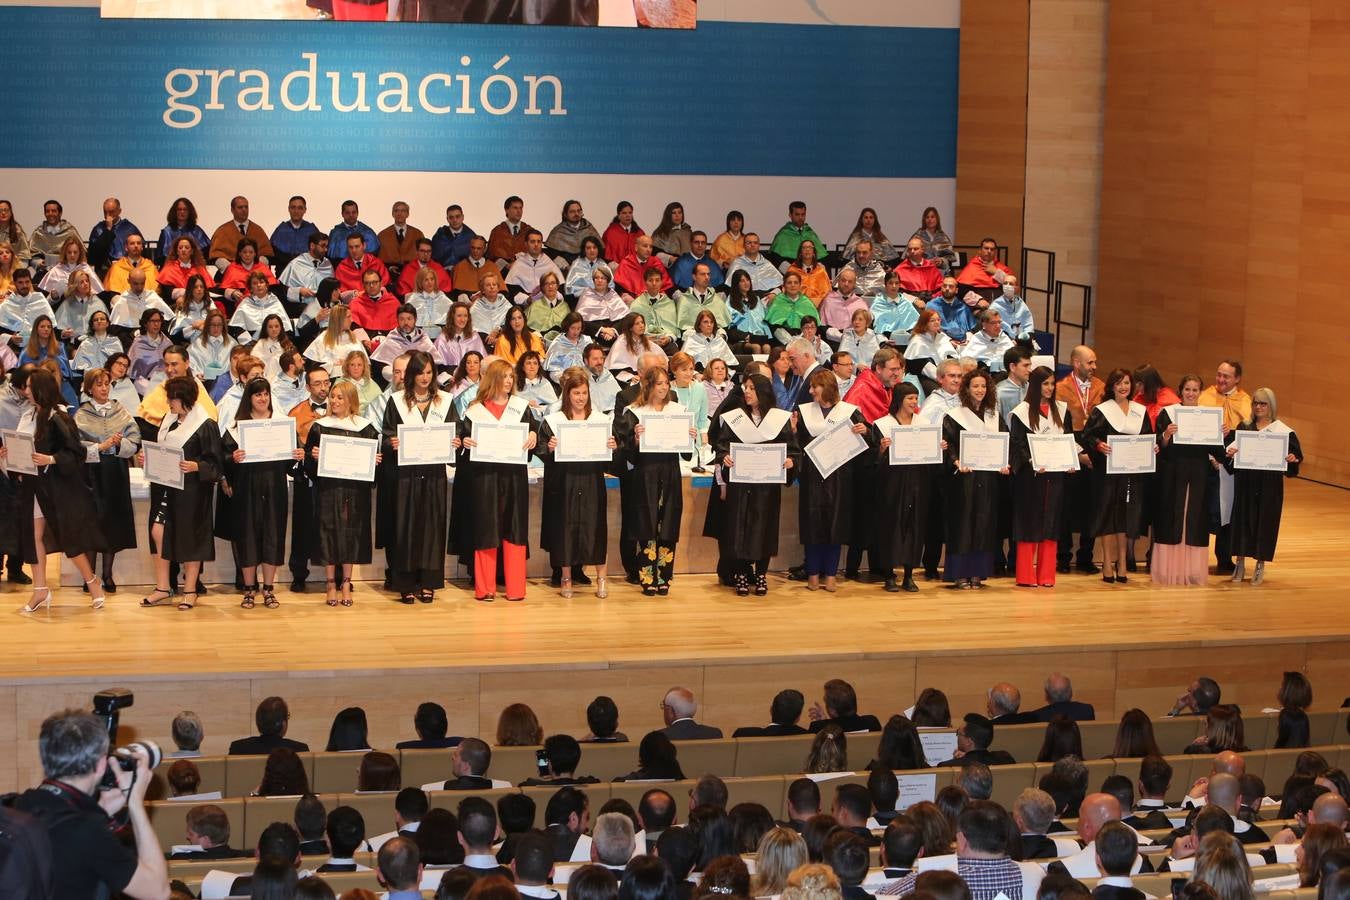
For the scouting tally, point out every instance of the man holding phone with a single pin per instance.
(557, 763)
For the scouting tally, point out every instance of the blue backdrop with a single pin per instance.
(724, 99)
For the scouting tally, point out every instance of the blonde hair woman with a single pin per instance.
(1221, 863)
(356, 372)
(829, 752)
(780, 852)
(340, 338)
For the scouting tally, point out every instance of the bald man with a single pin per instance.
(1059, 701)
(679, 707)
(1095, 811)
(1003, 702)
(1225, 763)
(1224, 791)
(1328, 809)
(1082, 390)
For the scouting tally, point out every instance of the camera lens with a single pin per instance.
(126, 756)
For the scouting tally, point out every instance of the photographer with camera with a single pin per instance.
(82, 802)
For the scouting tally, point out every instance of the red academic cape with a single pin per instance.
(372, 315)
(407, 279)
(974, 275)
(349, 277)
(630, 276)
(869, 395)
(922, 280)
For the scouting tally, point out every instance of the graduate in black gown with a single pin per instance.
(825, 505)
(574, 525)
(258, 498)
(181, 519)
(1181, 498)
(656, 485)
(1258, 496)
(59, 500)
(1119, 502)
(971, 516)
(341, 506)
(902, 493)
(416, 550)
(497, 495)
(107, 427)
(1037, 493)
(748, 527)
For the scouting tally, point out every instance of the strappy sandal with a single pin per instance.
(426, 595)
(184, 605)
(407, 598)
(332, 591)
(346, 592)
(152, 600)
(270, 596)
(250, 595)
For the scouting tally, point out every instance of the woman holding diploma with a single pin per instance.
(825, 507)
(574, 529)
(971, 516)
(341, 506)
(180, 518)
(416, 548)
(258, 502)
(1118, 501)
(497, 495)
(107, 428)
(1180, 499)
(1038, 492)
(658, 488)
(747, 526)
(1258, 496)
(58, 500)
(903, 493)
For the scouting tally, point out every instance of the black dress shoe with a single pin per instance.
(909, 586)
(109, 586)
(1131, 566)
(931, 575)
(201, 588)
(1218, 570)
(1064, 568)
(851, 574)
(632, 579)
(1089, 569)
(297, 587)
(580, 578)
(21, 578)
(797, 573)
(892, 587)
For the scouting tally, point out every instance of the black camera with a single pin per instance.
(107, 706)
(541, 762)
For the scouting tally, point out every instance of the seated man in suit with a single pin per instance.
(1223, 792)
(803, 802)
(847, 855)
(431, 725)
(613, 842)
(477, 831)
(841, 708)
(656, 813)
(1121, 788)
(679, 850)
(272, 718)
(901, 845)
(1315, 805)
(784, 712)
(976, 780)
(1096, 811)
(1226, 763)
(563, 753)
(678, 708)
(532, 864)
(709, 790)
(1003, 702)
(208, 836)
(602, 717)
(1155, 776)
(469, 761)
(1033, 813)
(410, 805)
(566, 820)
(852, 808)
(399, 868)
(1117, 846)
(884, 789)
(311, 822)
(972, 744)
(1198, 698)
(346, 830)
(1059, 701)
(515, 815)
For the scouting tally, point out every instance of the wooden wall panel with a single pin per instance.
(1222, 196)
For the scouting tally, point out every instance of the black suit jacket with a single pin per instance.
(985, 757)
(849, 723)
(804, 393)
(495, 870)
(871, 839)
(689, 730)
(221, 852)
(314, 848)
(1017, 718)
(1038, 846)
(260, 745)
(429, 743)
(1079, 712)
(1147, 817)
(774, 730)
(564, 842)
(1111, 892)
(468, 783)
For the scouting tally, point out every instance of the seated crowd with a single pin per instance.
(959, 843)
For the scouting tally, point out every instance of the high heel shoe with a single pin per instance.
(331, 588)
(250, 597)
(1239, 571)
(154, 600)
(742, 586)
(1260, 574)
(270, 596)
(97, 599)
(761, 585)
(601, 588)
(346, 592)
(184, 604)
(34, 604)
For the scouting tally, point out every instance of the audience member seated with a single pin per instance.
(184, 261)
(838, 307)
(284, 775)
(612, 841)
(958, 319)
(659, 311)
(894, 312)
(884, 790)
(271, 718)
(469, 272)
(279, 844)
(399, 241)
(477, 832)
(356, 262)
(672, 237)
(292, 236)
(764, 276)
(562, 755)
(972, 744)
(47, 243)
(982, 858)
(679, 707)
(509, 236)
(311, 823)
(373, 309)
(656, 813)
(185, 781)
(841, 708)
(119, 273)
(208, 836)
(581, 270)
(787, 241)
(303, 274)
(566, 821)
(450, 243)
(410, 806)
(869, 274)
(682, 272)
(975, 781)
(815, 277)
(518, 726)
(868, 228)
(631, 274)
(351, 226)
(987, 345)
(234, 281)
(1223, 732)
(622, 233)
(1033, 813)
(1094, 813)
(918, 273)
(399, 868)
(985, 273)
(532, 866)
(22, 308)
(657, 760)
(530, 265)
(784, 713)
(225, 239)
(346, 830)
(847, 856)
(71, 259)
(469, 763)
(408, 280)
(187, 733)
(1155, 777)
(602, 717)
(828, 753)
(107, 239)
(565, 239)
(1059, 701)
(1018, 323)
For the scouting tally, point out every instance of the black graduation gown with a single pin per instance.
(1037, 497)
(496, 496)
(655, 485)
(1258, 502)
(971, 514)
(111, 479)
(749, 515)
(188, 535)
(341, 507)
(421, 502)
(1119, 502)
(901, 497)
(65, 493)
(258, 509)
(825, 505)
(574, 524)
(1180, 490)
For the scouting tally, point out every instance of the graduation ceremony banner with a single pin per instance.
(727, 98)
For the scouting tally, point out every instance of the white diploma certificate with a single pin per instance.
(267, 440)
(161, 465)
(916, 788)
(759, 463)
(347, 458)
(1053, 452)
(938, 746)
(426, 445)
(666, 433)
(834, 448)
(583, 442)
(917, 445)
(500, 442)
(1131, 454)
(1198, 425)
(984, 451)
(20, 455)
(1262, 451)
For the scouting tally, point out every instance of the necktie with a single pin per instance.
(514, 229)
(318, 407)
(243, 228)
(400, 235)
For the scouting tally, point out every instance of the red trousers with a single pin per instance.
(345, 11)
(513, 564)
(1036, 563)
